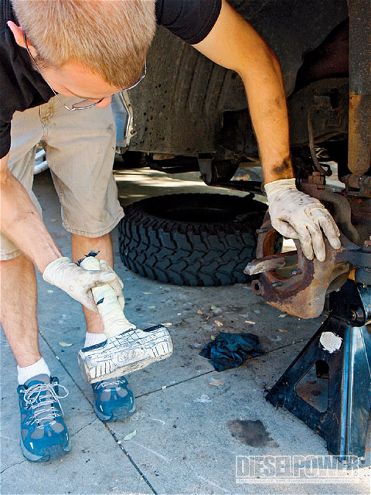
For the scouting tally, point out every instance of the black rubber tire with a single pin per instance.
(191, 239)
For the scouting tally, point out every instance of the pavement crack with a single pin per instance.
(12, 465)
(83, 427)
(174, 384)
(135, 465)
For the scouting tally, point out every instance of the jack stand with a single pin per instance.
(344, 423)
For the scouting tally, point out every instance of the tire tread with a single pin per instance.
(188, 253)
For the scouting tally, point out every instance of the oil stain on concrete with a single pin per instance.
(252, 433)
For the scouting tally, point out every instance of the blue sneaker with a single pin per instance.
(44, 434)
(113, 399)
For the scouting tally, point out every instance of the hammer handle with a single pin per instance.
(105, 298)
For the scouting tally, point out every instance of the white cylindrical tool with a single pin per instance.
(105, 298)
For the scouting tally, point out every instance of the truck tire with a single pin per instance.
(191, 239)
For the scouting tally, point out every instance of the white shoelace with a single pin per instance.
(111, 383)
(42, 406)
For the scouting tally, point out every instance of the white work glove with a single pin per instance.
(296, 215)
(78, 282)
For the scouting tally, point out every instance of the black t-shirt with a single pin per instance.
(22, 87)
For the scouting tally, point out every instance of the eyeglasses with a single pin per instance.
(85, 103)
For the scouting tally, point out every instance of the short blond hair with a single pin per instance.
(109, 37)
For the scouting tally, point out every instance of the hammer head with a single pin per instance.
(127, 352)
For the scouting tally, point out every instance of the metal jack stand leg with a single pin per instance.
(344, 423)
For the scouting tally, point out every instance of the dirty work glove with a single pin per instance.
(78, 282)
(296, 215)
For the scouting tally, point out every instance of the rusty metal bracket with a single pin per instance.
(289, 281)
(299, 286)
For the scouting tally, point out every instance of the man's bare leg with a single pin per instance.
(18, 309)
(43, 431)
(81, 246)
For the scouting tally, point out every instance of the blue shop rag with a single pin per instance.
(230, 350)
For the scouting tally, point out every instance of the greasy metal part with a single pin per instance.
(359, 86)
(361, 215)
(299, 290)
(340, 208)
(351, 210)
(359, 185)
(327, 101)
(360, 259)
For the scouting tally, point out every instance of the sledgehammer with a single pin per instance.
(124, 351)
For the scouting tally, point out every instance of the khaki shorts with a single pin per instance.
(80, 148)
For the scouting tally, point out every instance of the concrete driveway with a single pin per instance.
(194, 428)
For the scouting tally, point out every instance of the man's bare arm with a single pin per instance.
(21, 222)
(233, 43)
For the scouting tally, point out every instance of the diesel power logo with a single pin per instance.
(299, 469)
